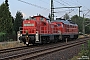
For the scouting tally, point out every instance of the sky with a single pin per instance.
(34, 7)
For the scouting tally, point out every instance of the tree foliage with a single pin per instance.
(66, 16)
(79, 20)
(87, 25)
(18, 21)
(6, 2)
(5, 19)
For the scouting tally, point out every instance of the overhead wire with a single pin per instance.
(67, 13)
(34, 5)
(65, 5)
(69, 5)
(88, 10)
(44, 1)
(65, 2)
(71, 2)
(62, 11)
(74, 2)
(59, 2)
(80, 3)
(83, 5)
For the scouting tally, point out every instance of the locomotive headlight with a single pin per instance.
(26, 36)
(20, 34)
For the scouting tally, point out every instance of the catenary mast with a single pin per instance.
(52, 10)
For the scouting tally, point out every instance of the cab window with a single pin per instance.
(59, 24)
(41, 18)
(33, 18)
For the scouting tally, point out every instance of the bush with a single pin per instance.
(7, 37)
(83, 52)
(2, 36)
(89, 48)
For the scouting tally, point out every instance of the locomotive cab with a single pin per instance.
(32, 29)
(28, 31)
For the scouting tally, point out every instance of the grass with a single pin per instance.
(83, 52)
(81, 36)
(5, 45)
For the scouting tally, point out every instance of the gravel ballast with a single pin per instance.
(65, 54)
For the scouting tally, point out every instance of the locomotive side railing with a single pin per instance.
(71, 30)
(55, 30)
(30, 30)
(48, 30)
(44, 30)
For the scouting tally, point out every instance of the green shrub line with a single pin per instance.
(7, 37)
(83, 52)
(2, 36)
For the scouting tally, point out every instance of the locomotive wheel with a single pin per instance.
(55, 40)
(48, 40)
(44, 40)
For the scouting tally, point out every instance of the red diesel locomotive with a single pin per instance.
(39, 30)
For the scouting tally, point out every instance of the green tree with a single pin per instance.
(6, 2)
(12, 19)
(66, 16)
(89, 48)
(18, 21)
(78, 21)
(87, 25)
(5, 19)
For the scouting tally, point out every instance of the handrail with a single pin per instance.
(42, 30)
(31, 30)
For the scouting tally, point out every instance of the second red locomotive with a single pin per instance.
(39, 30)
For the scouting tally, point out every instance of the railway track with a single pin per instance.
(12, 49)
(16, 49)
(33, 53)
